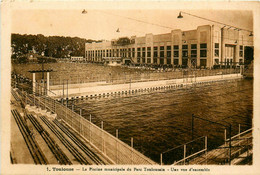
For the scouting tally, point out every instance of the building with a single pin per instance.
(206, 46)
(32, 56)
(77, 58)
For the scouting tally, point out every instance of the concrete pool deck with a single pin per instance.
(87, 90)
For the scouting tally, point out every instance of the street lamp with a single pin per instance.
(180, 16)
(84, 12)
(230, 26)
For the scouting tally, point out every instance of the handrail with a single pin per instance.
(240, 134)
(185, 151)
(183, 144)
(203, 150)
(39, 101)
(38, 84)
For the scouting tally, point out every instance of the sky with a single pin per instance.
(102, 24)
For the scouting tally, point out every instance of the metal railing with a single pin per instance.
(122, 78)
(241, 143)
(117, 151)
(181, 154)
(239, 135)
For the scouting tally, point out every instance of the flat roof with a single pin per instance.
(37, 71)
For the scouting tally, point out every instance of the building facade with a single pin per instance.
(77, 58)
(206, 46)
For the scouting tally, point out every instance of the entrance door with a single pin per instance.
(248, 55)
(229, 54)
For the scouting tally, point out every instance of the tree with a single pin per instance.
(52, 46)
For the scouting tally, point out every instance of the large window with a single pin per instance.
(169, 51)
(143, 55)
(149, 55)
(184, 55)
(123, 53)
(120, 52)
(113, 52)
(203, 62)
(168, 54)
(203, 50)
(143, 52)
(216, 61)
(185, 46)
(240, 51)
(194, 55)
(193, 46)
(138, 54)
(129, 52)
(194, 51)
(168, 60)
(176, 52)
(133, 52)
(161, 54)
(216, 49)
(148, 51)
(155, 60)
(161, 51)
(176, 62)
(184, 50)
(240, 61)
(155, 54)
(161, 60)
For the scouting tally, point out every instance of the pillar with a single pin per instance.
(222, 46)
(34, 83)
(48, 82)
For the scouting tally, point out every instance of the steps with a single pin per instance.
(39, 111)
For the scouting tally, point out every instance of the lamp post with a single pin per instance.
(213, 122)
(217, 22)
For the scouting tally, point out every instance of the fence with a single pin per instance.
(241, 146)
(117, 151)
(181, 154)
(127, 77)
(242, 142)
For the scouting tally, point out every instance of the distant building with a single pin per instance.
(32, 56)
(204, 47)
(77, 58)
